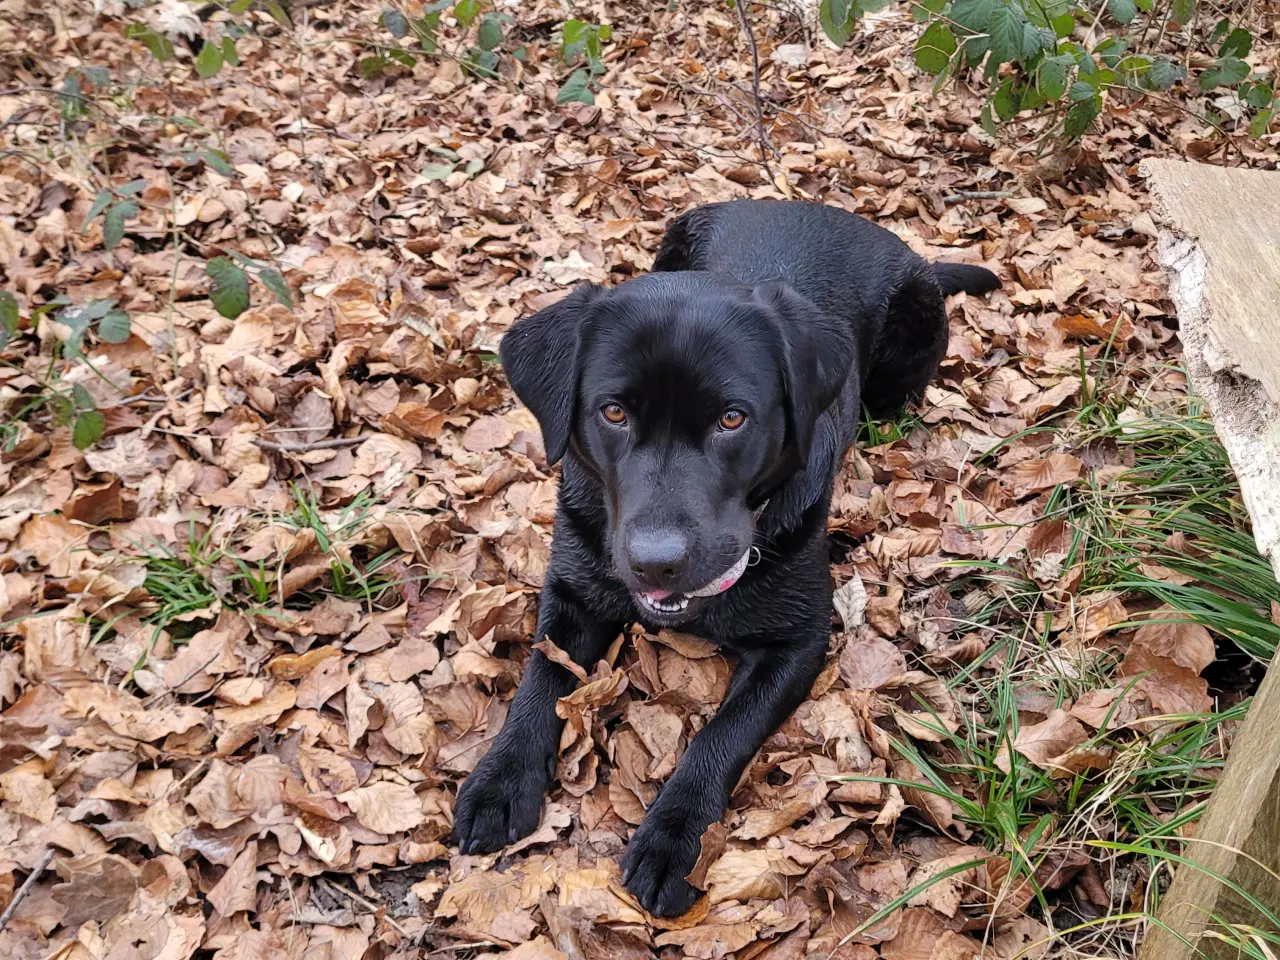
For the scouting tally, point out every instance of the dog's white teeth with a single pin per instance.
(668, 606)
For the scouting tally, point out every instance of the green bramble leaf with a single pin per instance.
(1081, 91)
(8, 316)
(99, 204)
(1004, 101)
(113, 226)
(837, 19)
(114, 327)
(228, 287)
(1228, 73)
(88, 429)
(277, 284)
(466, 12)
(157, 43)
(1258, 95)
(1079, 117)
(974, 15)
(490, 33)
(573, 39)
(437, 171)
(208, 61)
(575, 89)
(935, 47)
(219, 161)
(1006, 32)
(396, 23)
(1164, 73)
(1122, 11)
(369, 66)
(1238, 44)
(1051, 79)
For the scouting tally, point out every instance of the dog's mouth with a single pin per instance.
(668, 603)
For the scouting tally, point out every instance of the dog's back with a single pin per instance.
(845, 265)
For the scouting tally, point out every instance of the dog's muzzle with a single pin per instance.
(667, 602)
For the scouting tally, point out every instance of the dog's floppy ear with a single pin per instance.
(818, 351)
(540, 356)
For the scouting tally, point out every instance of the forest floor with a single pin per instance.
(255, 633)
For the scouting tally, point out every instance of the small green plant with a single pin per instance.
(450, 162)
(480, 58)
(1032, 60)
(118, 206)
(229, 283)
(583, 41)
(65, 404)
(211, 55)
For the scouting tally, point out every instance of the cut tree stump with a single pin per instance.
(1220, 246)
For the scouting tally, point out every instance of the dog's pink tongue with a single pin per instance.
(656, 595)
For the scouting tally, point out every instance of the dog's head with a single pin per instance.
(690, 397)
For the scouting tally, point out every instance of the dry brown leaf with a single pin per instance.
(385, 807)
(238, 888)
(1186, 644)
(1046, 743)
(129, 717)
(1172, 690)
(749, 875)
(1032, 476)
(712, 845)
(726, 929)
(488, 904)
(1097, 616)
(25, 790)
(96, 887)
(871, 664)
(539, 948)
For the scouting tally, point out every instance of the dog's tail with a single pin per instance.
(954, 277)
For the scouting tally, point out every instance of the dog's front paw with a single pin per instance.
(501, 801)
(663, 852)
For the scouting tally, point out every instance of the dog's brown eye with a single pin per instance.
(732, 419)
(614, 414)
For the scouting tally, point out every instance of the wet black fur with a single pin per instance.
(796, 313)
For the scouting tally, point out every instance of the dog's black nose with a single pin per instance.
(658, 558)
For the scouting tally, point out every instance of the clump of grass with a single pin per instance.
(1167, 529)
(1177, 507)
(1128, 818)
(334, 531)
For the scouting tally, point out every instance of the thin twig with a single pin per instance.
(454, 948)
(27, 885)
(371, 907)
(765, 146)
(304, 447)
(960, 195)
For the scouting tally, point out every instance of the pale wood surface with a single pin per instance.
(1220, 245)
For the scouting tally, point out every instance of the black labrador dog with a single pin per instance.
(703, 412)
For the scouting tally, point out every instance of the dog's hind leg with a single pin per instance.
(911, 344)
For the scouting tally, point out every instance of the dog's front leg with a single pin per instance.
(501, 801)
(768, 684)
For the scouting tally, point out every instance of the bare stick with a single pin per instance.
(361, 901)
(976, 195)
(27, 885)
(755, 88)
(304, 447)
